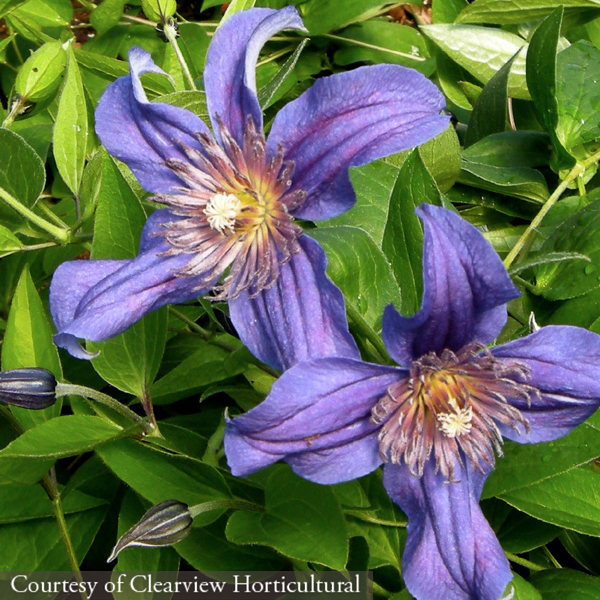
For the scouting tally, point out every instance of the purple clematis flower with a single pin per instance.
(438, 419)
(232, 196)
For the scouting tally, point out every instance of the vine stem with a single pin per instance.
(64, 389)
(217, 504)
(171, 35)
(367, 331)
(524, 562)
(62, 235)
(373, 47)
(49, 485)
(575, 172)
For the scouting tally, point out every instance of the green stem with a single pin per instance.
(524, 562)
(367, 331)
(551, 557)
(275, 55)
(373, 47)
(48, 211)
(62, 235)
(212, 447)
(219, 504)
(171, 35)
(575, 172)
(64, 389)
(357, 514)
(49, 484)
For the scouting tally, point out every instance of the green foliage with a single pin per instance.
(522, 80)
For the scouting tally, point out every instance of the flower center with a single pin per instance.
(232, 213)
(451, 406)
(221, 211)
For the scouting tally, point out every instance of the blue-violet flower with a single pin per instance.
(438, 419)
(232, 196)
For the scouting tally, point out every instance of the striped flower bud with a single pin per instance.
(31, 388)
(163, 525)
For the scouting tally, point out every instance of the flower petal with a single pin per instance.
(301, 317)
(98, 299)
(347, 120)
(465, 288)
(564, 363)
(315, 417)
(229, 75)
(143, 134)
(451, 551)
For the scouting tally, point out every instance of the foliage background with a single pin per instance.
(524, 170)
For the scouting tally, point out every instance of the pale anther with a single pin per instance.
(221, 211)
(455, 423)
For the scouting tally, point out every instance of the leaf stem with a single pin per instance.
(64, 389)
(62, 235)
(524, 562)
(575, 172)
(358, 514)
(171, 35)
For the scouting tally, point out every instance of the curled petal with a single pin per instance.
(451, 551)
(98, 299)
(142, 134)
(314, 417)
(564, 363)
(301, 317)
(465, 289)
(229, 76)
(347, 120)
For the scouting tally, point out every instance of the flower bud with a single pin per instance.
(31, 388)
(163, 525)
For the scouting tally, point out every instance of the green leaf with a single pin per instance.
(267, 92)
(22, 173)
(403, 236)
(36, 545)
(71, 127)
(68, 435)
(206, 365)
(360, 270)
(192, 100)
(301, 519)
(380, 41)
(159, 476)
(565, 584)
(511, 149)
(523, 589)
(373, 185)
(9, 242)
(541, 80)
(517, 182)
(523, 466)
(446, 11)
(578, 97)
(570, 500)
(7, 5)
(106, 15)
(490, 113)
(20, 503)
(159, 10)
(207, 549)
(568, 279)
(504, 12)
(236, 6)
(41, 73)
(520, 533)
(130, 361)
(584, 549)
(28, 343)
(119, 216)
(483, 51)
(321, 16)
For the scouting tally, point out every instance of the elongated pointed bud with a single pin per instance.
(163, 525)
(31, 388)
